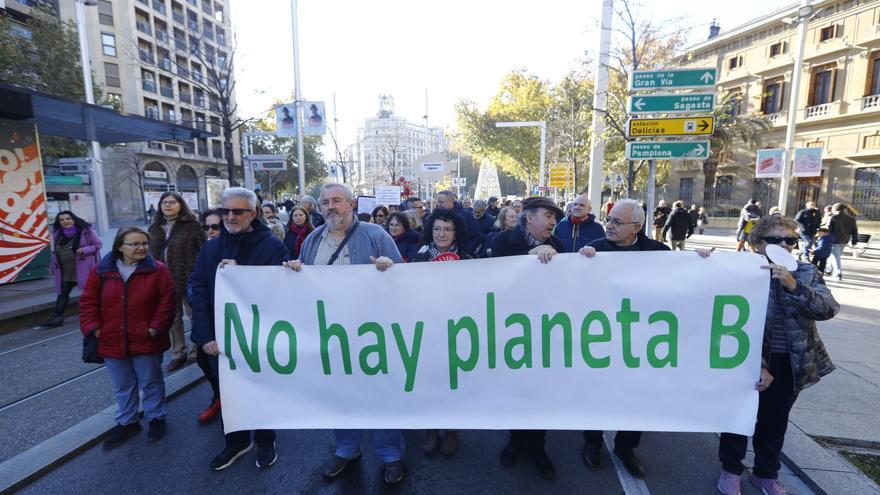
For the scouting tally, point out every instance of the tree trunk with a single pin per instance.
(228, 151)
(710, 170)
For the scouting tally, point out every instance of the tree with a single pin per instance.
(570, 119)
(390, 157)
(287, 181)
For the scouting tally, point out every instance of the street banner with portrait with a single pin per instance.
(503, 343)
(314, 121)
(285, 120)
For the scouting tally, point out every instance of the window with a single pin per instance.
(734, 62)
(105, 12)
(866, 192)
(771, 96)
(20, 31)
(115, 99)
(733, 103)
(723, 187)
(827, 33)
(873, 79)
(111, 75)
(149, 81)
(686, 189)
(778, 49)
(822, 85)
(108, 43)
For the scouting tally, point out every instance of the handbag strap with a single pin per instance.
(342, 244)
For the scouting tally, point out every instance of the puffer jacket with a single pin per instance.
(810, 302)
(123, 311)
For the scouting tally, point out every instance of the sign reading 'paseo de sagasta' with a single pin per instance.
(630, 341)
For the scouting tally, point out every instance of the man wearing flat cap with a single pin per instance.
(533, 235)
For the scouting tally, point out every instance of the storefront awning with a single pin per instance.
(61, 117)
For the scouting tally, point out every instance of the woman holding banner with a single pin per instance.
(793, 357)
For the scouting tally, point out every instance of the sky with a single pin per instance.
(454, 49)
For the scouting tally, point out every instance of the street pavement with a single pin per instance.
(48, 389)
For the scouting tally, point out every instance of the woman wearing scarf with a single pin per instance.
(406, 238)
(444, 238)
(298, 227)
(77, 250)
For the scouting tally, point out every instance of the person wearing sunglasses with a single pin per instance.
(793, 358)
(244, 240)
(212, 224)
(128, 304)
(175, 239)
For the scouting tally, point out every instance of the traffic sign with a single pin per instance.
(690, 126)
(642, 80)
(677, 103)
(667, 150)
(266, 162)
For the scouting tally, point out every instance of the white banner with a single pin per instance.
(624, 341)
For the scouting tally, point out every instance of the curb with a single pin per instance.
(822, 469)
(28, 466)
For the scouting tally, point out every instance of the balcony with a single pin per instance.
(169, 117)
(144, 27)
(820, 111)
(146, 55)
(181, 46)
(178, 17)
(208, 33)
(871, 103)
(162, 36)
(198, 77)
(182, 72)
(151, 113)
(159, 7)
(193, 26)
(149, 86)
(200, 101)
(185, 96)
(167, 91)
(221, 39)
(165, 64)
(776, 119)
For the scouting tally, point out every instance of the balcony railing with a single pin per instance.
(182, 72)
(178, 17)
(185, 96)
(200, 101)
(145, 55)
(165, 63)
(777, 118)
(152, 113)
(822, 110)
(169, 117)
(221, 38)
(193, 25)
(167, 91)
(197, 76)
(871, 102)
(149, 86)
(143, 27)
(159, 6)
(162, 36)
(181, 46)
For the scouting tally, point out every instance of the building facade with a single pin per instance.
(838, 108)
(153, 58)
(388, 147)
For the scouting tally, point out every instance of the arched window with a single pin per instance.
(155, 175)
(187, 180)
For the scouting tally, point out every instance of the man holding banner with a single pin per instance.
(624, 231)
(343, 240)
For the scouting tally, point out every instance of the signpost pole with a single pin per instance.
(803, 16)
(297, 96)
(600, 95)
(649, 196)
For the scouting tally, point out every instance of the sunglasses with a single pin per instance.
(212, 226)
(772, 239)
(235, 211)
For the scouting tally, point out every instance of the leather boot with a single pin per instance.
(450, 443)
(430, 445)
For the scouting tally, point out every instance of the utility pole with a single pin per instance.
(805, 11)
(99, 196)
(600, 95)
(297, 102)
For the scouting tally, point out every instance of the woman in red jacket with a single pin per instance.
(129, 304)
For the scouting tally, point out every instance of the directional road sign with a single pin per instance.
(266, 162)
(690, 126)
(667, 150)
(677, 103)
(643, 80)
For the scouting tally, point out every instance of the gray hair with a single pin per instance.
(330, 185)
(239, 192)
(638, 214)
(308, 199)
(447, 193)
(481, 203)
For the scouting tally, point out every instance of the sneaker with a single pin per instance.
(767, 486)
(210, 413)
(119, 434)
(393, 472)
(266, 455)
(337, 465)
(729, 483)
(228, 456)
(156, 430)
(544, 465)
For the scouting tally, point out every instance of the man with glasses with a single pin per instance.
(242, 241)
(624, 231)
(580, 228)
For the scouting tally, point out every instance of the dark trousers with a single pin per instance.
(624, 440)
(774, 405)
(63, 297)
(532, 440)
(209, 368)
(820, 263)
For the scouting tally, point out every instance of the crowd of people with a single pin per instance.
(135, 297)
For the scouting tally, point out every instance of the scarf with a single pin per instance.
(69, 231)
(577, 221)
(432, 249)
(300, 231)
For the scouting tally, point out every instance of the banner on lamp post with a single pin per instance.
(807, 162)
(614, 355)
(769, 163)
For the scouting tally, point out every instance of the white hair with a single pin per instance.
(348, 194)
(239, 192)
(308, 199)
(637, 215)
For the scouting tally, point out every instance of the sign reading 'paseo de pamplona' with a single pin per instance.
(628, 341)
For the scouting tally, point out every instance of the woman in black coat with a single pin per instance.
(404, 236)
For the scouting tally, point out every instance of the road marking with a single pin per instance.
(39, 342)
(631, 485)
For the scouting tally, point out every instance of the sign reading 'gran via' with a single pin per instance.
(680, 103)
(643, 80)
(667, 150)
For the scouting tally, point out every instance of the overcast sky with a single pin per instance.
(455, 49)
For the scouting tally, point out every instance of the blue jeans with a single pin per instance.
(836, 252)
(806, 245)
(389, 444)
(144, 372)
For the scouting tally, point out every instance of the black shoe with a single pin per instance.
(631, 462)
(156, 430)
(509, 453)
(54, 321)
(591, 454)
(119, 434)
(393, 472)
(228, 456)
(337, 465)
(544, 465)
(266, 455)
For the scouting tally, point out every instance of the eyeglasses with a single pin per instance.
(772, 239)
(235, 211)
(211, 226)
(447, 230)
(616, 222)
(136, 244)
(168, 202)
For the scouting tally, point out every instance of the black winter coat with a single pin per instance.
(680, 224)
(643, 243)
(513, 242)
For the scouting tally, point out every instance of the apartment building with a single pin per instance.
(838, 108)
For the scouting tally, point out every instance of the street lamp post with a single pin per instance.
(297, 97)
(97, 167)
(543, 126)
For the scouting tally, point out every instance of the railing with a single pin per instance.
(185, 96)
(165, 63)
(777, 118)
(200, 101)
(166, 91)
(143, 27)
(208, 33)
(145, 55)
(198, 77)
(181, 46)
(193, 25)
(182, 72)
(159, 6)
(169, 117)
(152, 113)
(162, 36)
(149, 86)
(178, 17)
(817, 111)
(221, 38)
(871, 102)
